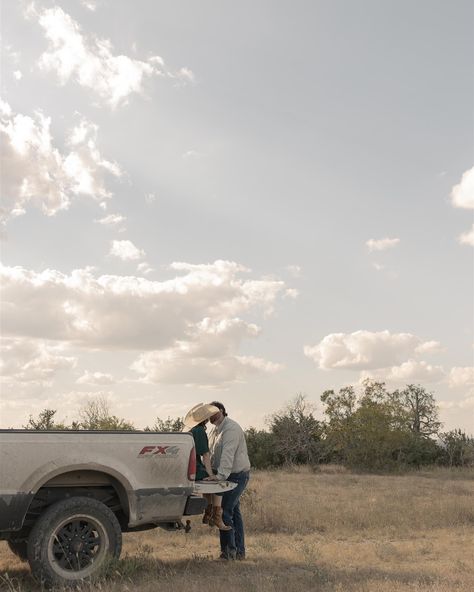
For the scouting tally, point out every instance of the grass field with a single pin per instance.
(325, 531)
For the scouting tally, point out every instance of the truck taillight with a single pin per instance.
(192, 465)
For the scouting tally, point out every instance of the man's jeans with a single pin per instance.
(233, 541)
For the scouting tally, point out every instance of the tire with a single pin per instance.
(72, 540)
(19, 548)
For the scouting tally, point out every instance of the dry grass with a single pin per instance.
(326, 531)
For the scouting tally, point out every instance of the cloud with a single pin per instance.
(467, 403)
(381, 244)
(144, 268)
(208, 357)
(294, 270)
(17, 74)
(131, 313)
(126, 250)
(467, 238)
(366, 350)
(89, 4)
(37, 173)
(429, 347)
(185, 75)
(97, 378)
(111, 220)
(461, 376)
(407, 372)
(27, 360)
(462, 194)
(91, 63)
(188, 329)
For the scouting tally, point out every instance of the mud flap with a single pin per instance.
(194, 505)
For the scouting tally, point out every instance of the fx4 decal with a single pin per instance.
(161, 451)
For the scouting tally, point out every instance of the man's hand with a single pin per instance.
(210, 478)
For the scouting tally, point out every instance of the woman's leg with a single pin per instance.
(208, 511)
(217, 513)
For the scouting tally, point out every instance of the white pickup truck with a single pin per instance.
(66, 497)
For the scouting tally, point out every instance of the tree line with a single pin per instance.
(370, 429)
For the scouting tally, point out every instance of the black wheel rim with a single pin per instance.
(77, 546)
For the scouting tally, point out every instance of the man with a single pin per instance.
(230, 460)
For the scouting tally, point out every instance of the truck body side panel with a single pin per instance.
(151, 468)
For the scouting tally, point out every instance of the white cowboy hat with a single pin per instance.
(198, 413)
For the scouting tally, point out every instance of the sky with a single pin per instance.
(238, 201)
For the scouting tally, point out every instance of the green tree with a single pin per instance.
(458, 448)
(45, 421)
(166, 425)
(380, 429)
(261, 449)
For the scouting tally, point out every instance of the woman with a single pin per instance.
(195, 421)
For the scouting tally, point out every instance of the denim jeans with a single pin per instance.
(233, 541)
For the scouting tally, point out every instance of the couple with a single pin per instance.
(223, 457)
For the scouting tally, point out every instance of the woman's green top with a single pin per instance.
(202, 446)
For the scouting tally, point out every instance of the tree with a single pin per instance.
(95, 415)
(166, 425)
(297, 434)
(261, 448)
(421, 412)
(458, 448)
(45, 421)
(379, 429)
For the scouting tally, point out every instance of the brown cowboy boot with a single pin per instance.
(207, 514)
(217, 519)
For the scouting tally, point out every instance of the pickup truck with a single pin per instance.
(67, 496)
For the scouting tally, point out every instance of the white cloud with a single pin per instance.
(91, 62)
(429, 347)
(382, 244)
(208, 357)
(461, 376)
(97, 378)
(190, 326)
(462, 195)
(408, 372)
(89, 4)
(130, 313)
(378, 266)
(35, 172)
(185, 75)
(467, 238)
(126, 250)
(17, 74)
(144, 268)
(27, 360)
(467, 403)
(364, 350)
(111, 220)
(294, 270)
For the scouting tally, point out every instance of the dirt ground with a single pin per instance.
(328, 531)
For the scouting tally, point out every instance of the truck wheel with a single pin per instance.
(19, 548)
(71, 541)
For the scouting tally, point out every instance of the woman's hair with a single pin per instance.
(220, 406)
